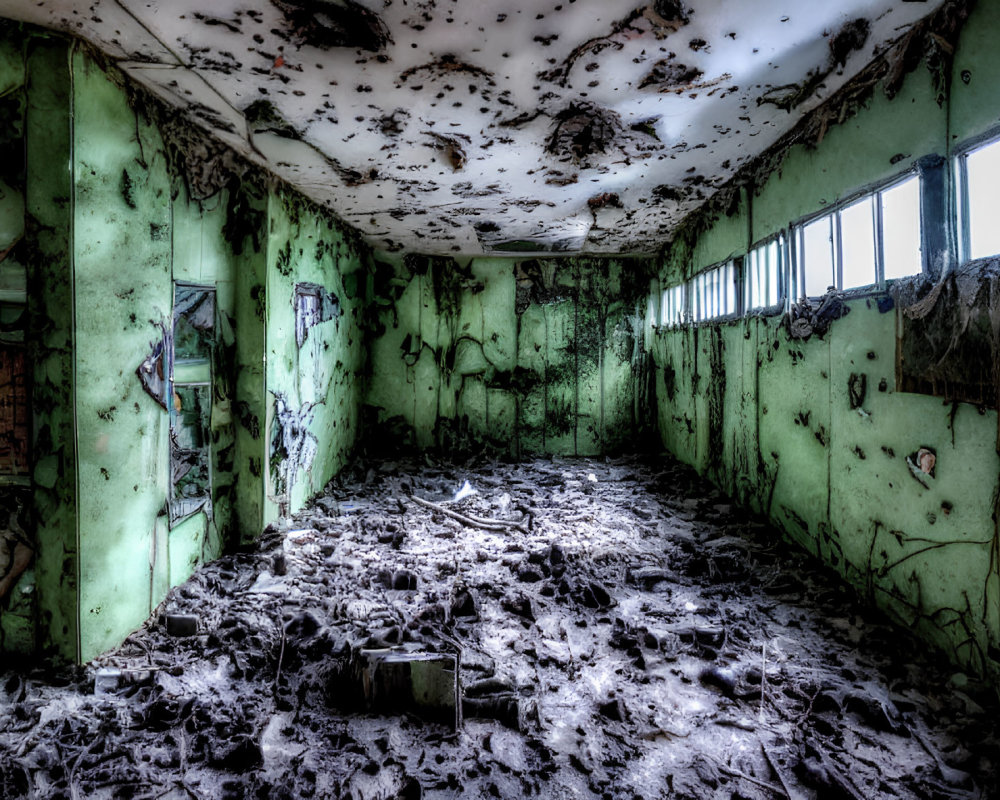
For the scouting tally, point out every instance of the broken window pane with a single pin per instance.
(816, 253)
(983, 174)
(901, 251)
(190, 406)
(190, 453)
(194, 323)
(857, 244)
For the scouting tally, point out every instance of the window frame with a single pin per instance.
(960, 178)
(782, 238)
(797, 277)
(735, 267)
(180, 508)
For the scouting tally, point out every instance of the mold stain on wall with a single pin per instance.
(521, 356)
(872, 441)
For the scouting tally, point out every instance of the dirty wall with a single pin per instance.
(316, 280)
(193, 340)
(818, 434)
(522, 356)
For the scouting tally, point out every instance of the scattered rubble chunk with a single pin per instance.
(687, 647)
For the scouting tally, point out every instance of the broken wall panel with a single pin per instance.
(110, 239)
(314, 392)
(824, 440)
(521, 356)
(245, 228)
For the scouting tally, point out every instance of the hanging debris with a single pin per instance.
(806, 319)
(452, 146)
(583, 129)
(335, 23)
(152, 373)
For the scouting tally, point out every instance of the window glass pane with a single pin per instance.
(730, 279)
(901, 229)
(751, 273)
(983, 167)
(817, 255)
(762, 275)
(194, 323)
(857, 241)
(772, 273)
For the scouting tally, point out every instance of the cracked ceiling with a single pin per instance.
(450, 127)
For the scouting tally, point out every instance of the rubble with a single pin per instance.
(618, 630)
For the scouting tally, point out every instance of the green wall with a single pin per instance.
(769, 418)
(109, 231)
(530, 356)
(314, 392)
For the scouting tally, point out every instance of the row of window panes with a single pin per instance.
(713, 293)
(872, 239)
(866, 242)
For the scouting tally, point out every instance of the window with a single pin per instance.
(979, 171)
(763, 275)
(713, 293)
(190, 406)
(672, 307)
(865, 242)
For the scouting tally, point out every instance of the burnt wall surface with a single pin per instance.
(521, 356)
(859, 443)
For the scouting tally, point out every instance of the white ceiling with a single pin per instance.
(462, 126)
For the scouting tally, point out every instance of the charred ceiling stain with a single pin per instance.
(394, 114)
(334, 23)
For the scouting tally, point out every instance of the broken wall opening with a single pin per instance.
(191, 390)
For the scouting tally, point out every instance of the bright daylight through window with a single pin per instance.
(864, 243)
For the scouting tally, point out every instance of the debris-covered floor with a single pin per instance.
(624, 632)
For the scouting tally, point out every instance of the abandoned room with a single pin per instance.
(554, 399)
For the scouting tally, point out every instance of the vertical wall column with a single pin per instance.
(248, 205)
(49, 220)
